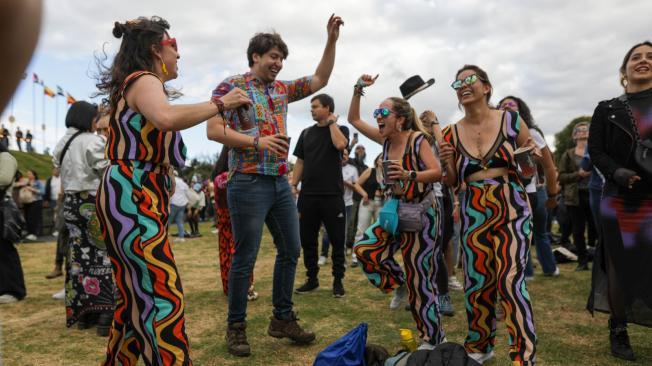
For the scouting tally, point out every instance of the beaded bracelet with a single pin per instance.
(220, 109)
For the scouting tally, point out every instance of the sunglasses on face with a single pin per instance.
(170, 42)
(509, 105)
(469, 80)
(382, 112)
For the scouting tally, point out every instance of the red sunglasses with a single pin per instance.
(169, 42)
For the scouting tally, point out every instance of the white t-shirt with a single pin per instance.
(541, 143)
(349, 174)
(180, 197)
(55, 188)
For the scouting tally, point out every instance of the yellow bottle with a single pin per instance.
(407, 340)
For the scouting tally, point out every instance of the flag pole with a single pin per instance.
(56, 118)
(33, 105)
(43, 125)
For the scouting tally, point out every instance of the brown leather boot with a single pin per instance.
(56, 272)
(290, 328)
(236, 339)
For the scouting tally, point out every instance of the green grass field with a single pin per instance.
(33, 331)
(41, 164)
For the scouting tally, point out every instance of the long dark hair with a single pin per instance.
(524, 112)
(623, 66)
(482, 75)
(135, 54)
(222, 163)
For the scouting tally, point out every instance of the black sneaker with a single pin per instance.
(582, 267)
(619, 339)
(290, 328)
(338, 288)
(236, 339)
(311, 285)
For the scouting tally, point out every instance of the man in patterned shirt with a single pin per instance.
(258, 191)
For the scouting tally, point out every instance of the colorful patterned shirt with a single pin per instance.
(268, 116)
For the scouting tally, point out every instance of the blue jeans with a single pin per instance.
(325, 241)
(541, 237)
(253, 200)
(176, 216)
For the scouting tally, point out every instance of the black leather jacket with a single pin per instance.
(611, 146)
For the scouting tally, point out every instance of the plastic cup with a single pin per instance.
(387, 167)
(525, 161)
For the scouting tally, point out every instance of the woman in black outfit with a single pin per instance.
(626, 206)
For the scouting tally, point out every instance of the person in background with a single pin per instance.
(32, 190)
(626, 206)
(319, 168)
(54, 200)
(79, 155)
(542, 190)
(192, 209)
(19, 138)
(12, 281)
(178, 204)
(224, 229)
(575, 183)
(358, 161)
(28, 141)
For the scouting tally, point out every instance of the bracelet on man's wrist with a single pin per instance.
(256, 141)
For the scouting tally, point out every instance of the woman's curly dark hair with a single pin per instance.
(135, 54)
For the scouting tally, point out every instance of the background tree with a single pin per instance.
(564, 138)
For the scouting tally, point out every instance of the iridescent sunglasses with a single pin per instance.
(469, 80)
(382, 112)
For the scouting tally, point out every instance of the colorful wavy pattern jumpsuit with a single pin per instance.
(496, 235)
(133, 204)
(376, 249)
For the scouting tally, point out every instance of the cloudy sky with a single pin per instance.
(561, 57)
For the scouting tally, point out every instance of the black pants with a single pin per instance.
(446, 204)
(34, 217)
(582, 218)
(313, 210)
(12, 281)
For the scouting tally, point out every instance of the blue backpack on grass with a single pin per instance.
(346, 351)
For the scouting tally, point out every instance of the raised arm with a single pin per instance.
(325, 67)
(148, 97)
(365, 128)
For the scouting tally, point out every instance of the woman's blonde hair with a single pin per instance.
(402, 108)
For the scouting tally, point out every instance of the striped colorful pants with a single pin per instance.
(375, 251)
(496, 234)
(132, 204)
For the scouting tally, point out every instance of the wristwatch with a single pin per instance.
(412, 175)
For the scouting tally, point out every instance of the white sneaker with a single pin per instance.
(529, 278)
(454, 284)
(215, 231)
(481, 358)
(400, 296)
(55, 233)
(179, 240)
(553, 274)
(61, 295)
(31, 237)
(7, 299)
(321, 261)
(354, 260)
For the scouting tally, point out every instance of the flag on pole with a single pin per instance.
(59, 91)
(70, 99)
(49, 92)
(35, 78)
